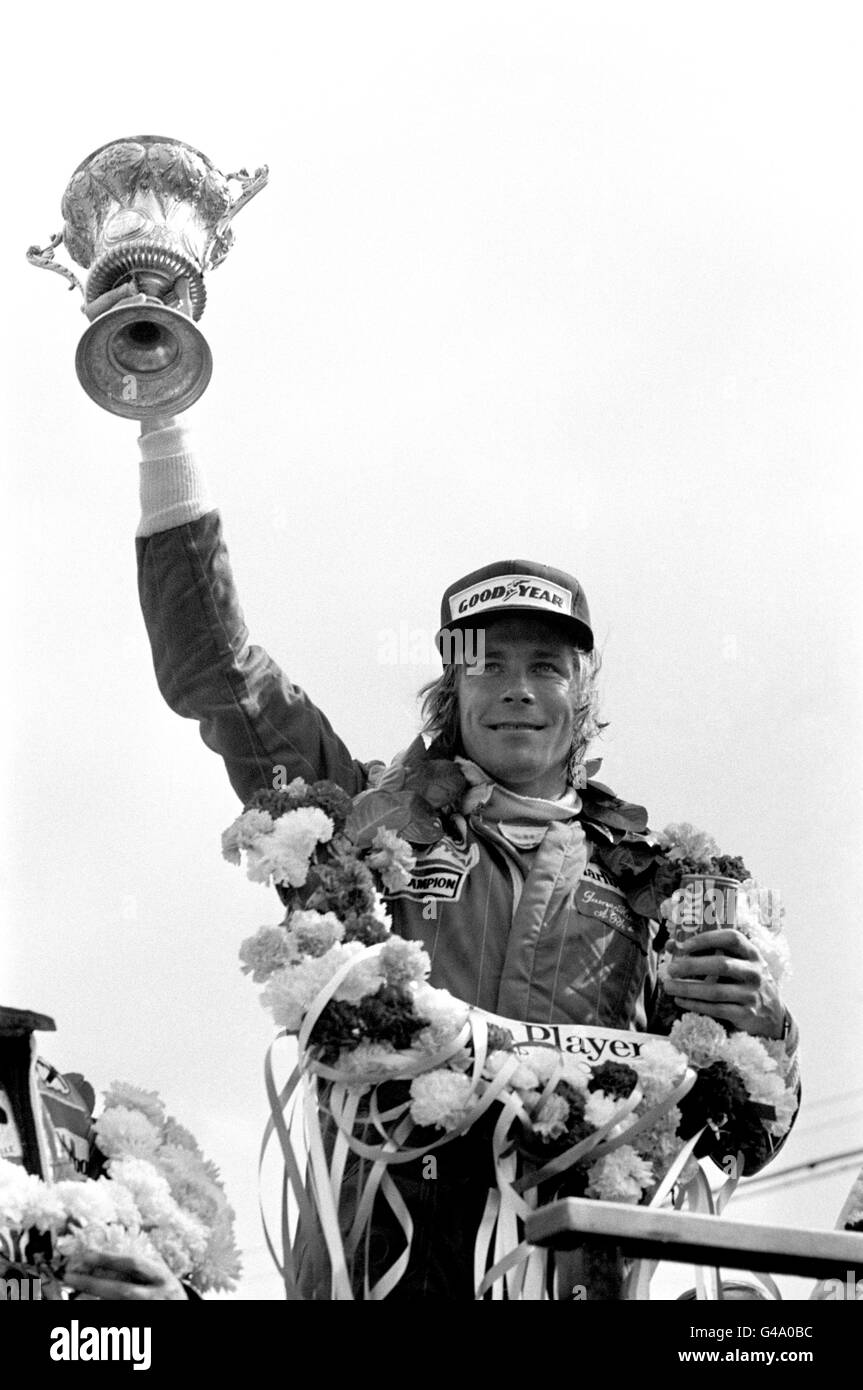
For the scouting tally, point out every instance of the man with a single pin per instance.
(534, 901)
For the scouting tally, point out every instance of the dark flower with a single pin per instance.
(329, 797)
(346, 888)
(614, 1078)
(731, 866)
(544, 1149)
(365, 928)
(332, 799)
(387, 1016)
(720, 1101)
(499, 1039)
(276, 802)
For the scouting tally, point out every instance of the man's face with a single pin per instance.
(516, 708)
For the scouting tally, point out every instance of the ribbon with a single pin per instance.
(319, 1197)
(335, 1232)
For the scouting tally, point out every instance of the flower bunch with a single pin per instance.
(158, 1196)
(620, 1126)
(335, 941)
(695, 852)
(743, 1085)
(359, 999)
(757, 911)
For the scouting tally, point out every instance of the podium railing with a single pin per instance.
(652, 1234)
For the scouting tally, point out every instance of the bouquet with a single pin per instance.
(158, 1196)
(358, 998)
(758, 912)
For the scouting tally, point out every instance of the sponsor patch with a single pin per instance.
(518, 590)
(607, 904)
(441, 872)
(597, 874)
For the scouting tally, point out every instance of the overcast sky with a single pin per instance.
(570, 282)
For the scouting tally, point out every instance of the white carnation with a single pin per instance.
(404, 962)
(123, 1132)
(544, 1062)
(313, 933)
(87, 1203)
(773, 947)
(25, 1200)
(136, 1098)
(600, 1109)
(660, 1067)
(621, 1176)
(440, 1098)
(446, 1017)
(290, 991)
(551, 1117)
(244, 833)
(364, 978)
(148, 1188)
(284, 854)
(379, 910)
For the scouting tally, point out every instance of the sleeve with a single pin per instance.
(206, 668)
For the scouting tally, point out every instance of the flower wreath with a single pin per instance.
(358, 998)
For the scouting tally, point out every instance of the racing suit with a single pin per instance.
(557, 935)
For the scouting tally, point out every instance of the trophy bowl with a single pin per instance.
(151, 215)
(143, 360)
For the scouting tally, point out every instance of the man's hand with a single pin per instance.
(721, 973)
(128, 293)
(123, 294)
(122, 1277)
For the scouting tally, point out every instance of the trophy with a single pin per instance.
(155, 215)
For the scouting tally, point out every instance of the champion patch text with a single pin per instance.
(440, 872)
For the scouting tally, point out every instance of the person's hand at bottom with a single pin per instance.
(122, 1277)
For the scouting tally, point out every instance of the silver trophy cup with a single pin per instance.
(155, 214)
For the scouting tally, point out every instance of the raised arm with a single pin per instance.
(248, 711)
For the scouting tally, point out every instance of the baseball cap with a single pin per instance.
(517, 586)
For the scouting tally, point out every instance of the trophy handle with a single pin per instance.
(220, 243)
(43, 259)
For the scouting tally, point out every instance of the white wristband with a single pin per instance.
(173, 487)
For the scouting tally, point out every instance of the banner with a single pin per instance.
(591, 1045)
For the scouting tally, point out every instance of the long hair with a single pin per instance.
(440, 705)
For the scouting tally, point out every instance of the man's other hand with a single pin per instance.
(122, 1277)
(722, 974)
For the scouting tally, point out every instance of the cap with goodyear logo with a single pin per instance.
(517, 586)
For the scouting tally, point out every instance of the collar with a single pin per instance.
(423, 785)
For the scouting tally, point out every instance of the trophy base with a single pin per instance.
(143, 360)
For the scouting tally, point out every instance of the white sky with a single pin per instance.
(573, 282)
